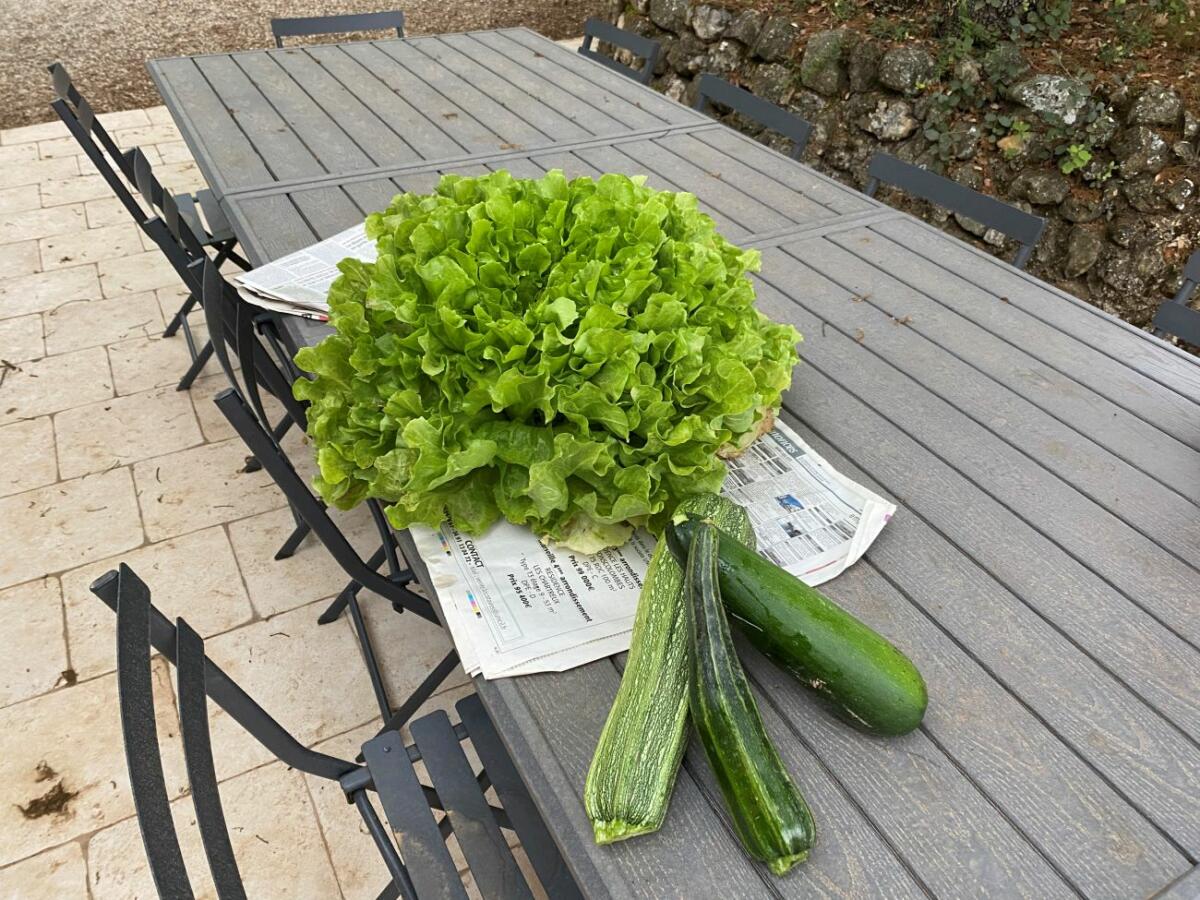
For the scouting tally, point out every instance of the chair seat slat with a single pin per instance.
(531, 829)
(422, 848)
(487, 853)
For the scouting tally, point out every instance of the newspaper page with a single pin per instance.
(515, 605)
(299, 282)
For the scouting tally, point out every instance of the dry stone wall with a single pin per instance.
(1120, 221)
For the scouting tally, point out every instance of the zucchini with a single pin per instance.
(857, 672)
(768, 812)
(629, 783)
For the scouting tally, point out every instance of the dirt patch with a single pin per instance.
(55, 802)
(105, 45)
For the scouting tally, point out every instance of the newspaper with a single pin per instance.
(298, 284)
(515, 605)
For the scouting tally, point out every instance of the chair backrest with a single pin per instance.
(1023, 227)
(426, 868)
(1175, 316)
(228, 314)
(306, 26)
(165, 225)
(141, 629)
(642, 47)
(91, 135)
(717, 90)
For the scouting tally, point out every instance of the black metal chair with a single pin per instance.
(222, 306)
(1175, 316)
(199, 212)
(712, 89)
(421, 866)
(1023, 227)
(642, 47)
(307, 26)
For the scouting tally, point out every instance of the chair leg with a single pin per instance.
(373, 671)
(338, 606)
(177, 320)
(278, 432)
(185, 383)
(423, 692)
(295, 539)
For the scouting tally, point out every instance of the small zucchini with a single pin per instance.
(862, 676)
(769, 814)
(628, 787)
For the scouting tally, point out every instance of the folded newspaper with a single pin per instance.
(515, 605)
(298, 284)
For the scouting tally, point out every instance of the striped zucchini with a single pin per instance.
(629, 783)
(768, 812)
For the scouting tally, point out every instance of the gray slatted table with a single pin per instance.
(263, 117)
(1043, 569)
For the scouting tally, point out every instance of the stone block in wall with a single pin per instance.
(862, 67)
(1056, 98)
(891, 120)
(1041, 187)
(905, 69)
(672, 15)
(725, 58)
(686, 55)
(1080, 209)
(821, 67)
(1139, 150)
(1084, 246)
(1156, 105)
(773, 82)
(710, 22)
(776, 39)
(746, 26)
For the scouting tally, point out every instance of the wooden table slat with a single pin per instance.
(1131, 438)
(510, 128)
(1168, 366)
(620, 106)
(430, 136)
(282, 151)
(477, 57)
(377, 139)
(668, 111)
(1123, 490)
(222, 151)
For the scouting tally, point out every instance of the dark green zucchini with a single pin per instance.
(769, 814)
(859, 673)
(629, 783)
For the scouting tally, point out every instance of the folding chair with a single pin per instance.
(306, 26)
(420, 866)
(1023, 227)
(221, 306)
(643, 47)
(200, 211)
(717, 90)
(1175, 316)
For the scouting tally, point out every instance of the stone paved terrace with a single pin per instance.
(103, 461)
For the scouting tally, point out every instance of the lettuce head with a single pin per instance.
(576, 356)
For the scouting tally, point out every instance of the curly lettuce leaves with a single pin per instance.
(575, 356)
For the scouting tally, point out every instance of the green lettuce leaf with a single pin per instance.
(576, 356)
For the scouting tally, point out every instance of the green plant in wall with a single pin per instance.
(1074, 158)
